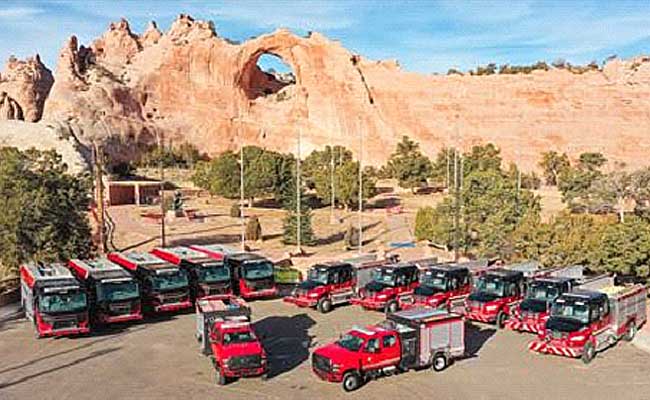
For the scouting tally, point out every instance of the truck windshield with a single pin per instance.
(238, 337)
(213, 273)
(318, 275)
(434, 281)
(570, 309)
(258, 270)
(350, 342)
(62, 302)
(114, 291)
(171, 281)
(490, 285)
(543, 291)
(385, 277)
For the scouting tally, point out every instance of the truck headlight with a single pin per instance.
(336, 367)
(578, 338)
(491, 308)
(382, 296)
(312, 295)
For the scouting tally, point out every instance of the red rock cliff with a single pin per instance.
(192, 85)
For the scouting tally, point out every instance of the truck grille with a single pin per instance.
(320, 363)
(245, 362)
(173, 297)
(558, 335)
(261, 284)
(120, 308)
(63, 324)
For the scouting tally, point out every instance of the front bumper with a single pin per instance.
(301, 301)
(327, 376)
(557, 349)
(526, 325)
(64, 332)
(480, 316)
(113, 319)
(260, 293)
(369, 304)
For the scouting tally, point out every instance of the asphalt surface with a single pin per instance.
(160, 360)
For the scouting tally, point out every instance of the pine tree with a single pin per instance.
(291, 220)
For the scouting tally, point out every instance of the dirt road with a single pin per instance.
(160, 360)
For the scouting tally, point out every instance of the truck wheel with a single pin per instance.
(501, 320)
(324, 305)
(631, 332)
(351, 381)
(588, 353)
(392, 307)
(219, 377)
(439, 362)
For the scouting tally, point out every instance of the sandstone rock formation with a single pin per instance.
(189, 84)
(24, 86)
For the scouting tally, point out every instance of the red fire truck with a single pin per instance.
(409, 339)
(164, 286)
(207, 275)
(334, 283)
(113, 293)
(495, 293)
(389, 284)
(445, 284)
(584, 322)
(53, 300)
(251, 274)
(225, 334)
(530, 315)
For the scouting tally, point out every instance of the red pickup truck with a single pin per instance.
(411, 339)
(388, 285)
(224, 332)
(584, 322)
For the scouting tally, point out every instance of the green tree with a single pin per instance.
(623, 248)
(290, 223)
(612, 190)
(443, 167)
(553, 164)
(575, 183)
(220, 176)
(641, 192)
(408, 165)
(591, 161)
(318, 162)
(44, 209)
(482, 158)
(346, 185)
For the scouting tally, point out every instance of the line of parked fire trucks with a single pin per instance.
(426, 303)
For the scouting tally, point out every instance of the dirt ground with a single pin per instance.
(158, 360)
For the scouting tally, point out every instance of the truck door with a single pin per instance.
(391, 349)
(408, 340)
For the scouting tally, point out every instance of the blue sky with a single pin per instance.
(424, 36)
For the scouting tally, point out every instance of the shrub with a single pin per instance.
(235, 210)
(253, 229)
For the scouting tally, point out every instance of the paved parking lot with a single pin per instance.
(160, 360)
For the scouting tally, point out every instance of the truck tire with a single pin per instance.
(439, 362)
(351, 381)
(501, 319)
(324, 305)
(392, 307)
(630, 333)
(588, 353)
(219, 377)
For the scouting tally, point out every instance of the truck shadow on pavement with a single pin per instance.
(286, 340)
(95, 354)
(475, 337)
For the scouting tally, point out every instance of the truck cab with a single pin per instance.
(388, 285)
(207, 275)
(53, 300)
(440, 285)
(495, 292)
(410, 339)
(233, 346)
(113, 293)
(531, 314)
(252, 275)
(164, 286)
(584, 322)
(327, 284)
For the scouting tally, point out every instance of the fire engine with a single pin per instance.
(494, 294)
(225, 333)
(584, 322)
(410, 339)
(445, 285)
(207, 275)
(388, 285)
(164, 286)
(251, 274)
(334, 283)
(53, 300)
(113, 293)
(530, 315)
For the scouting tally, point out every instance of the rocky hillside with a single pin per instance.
(189, 84)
